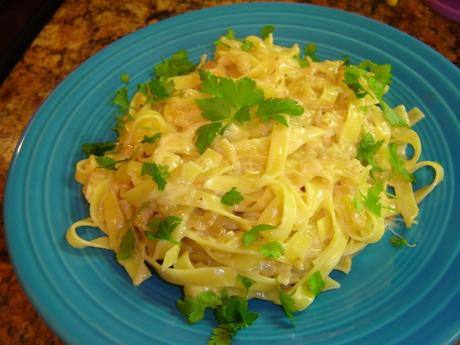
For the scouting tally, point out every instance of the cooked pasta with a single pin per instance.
(212, 191)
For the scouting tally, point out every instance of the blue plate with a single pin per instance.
(406, 296)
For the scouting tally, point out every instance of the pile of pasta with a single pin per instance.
(304, 179)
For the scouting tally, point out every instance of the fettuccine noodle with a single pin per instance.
(304, 180)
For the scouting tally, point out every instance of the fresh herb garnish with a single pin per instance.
(372, 199)
(126, 246)
(230, 312)
(97, 149)
(151, 139)
(158, 172)
(287, 303)
(231, 315)
(232, 197)
(272, 250)
(206, 134)
(275, 108)
(193, 309)
(310, 51)
(231, 101)
(125, 78)
(107, 162)
(163, 229)
(377, 77)
(246, 281)
(315, 283)
(247, 45)
(367, 148)
(399, 241)
(121, 100)
(266, 31)
(253, 234)
(398, 165)
(177, 64)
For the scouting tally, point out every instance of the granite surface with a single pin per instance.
(78, 30)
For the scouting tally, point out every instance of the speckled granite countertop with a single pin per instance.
(77, 31)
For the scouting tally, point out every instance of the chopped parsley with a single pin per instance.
(151, 139)
(107, 162)
(272, 250)
(177, 64)
(121, 100)
(367, 148)
(126, 246)
(97, 149)
(253, 234)
(287, 303)
(163, 229)
(372, 199)
(247, 45)
(193, 309)
(398, 165)
(266, 31)
(246, 281)
(206, 134)
(230, 312)
(315, 283)
(125, 78)
(310, 51)
(232, 197)
(158, 172)
(399, 242)
(377, 77)
(275, 108)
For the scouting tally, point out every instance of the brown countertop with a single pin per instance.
(77, 31)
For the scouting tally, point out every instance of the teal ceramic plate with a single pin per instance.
(391, 296)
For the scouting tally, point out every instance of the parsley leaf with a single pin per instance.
(266, 31)
(232, 197)
(253, 234)
(206, 134)
(287, 303)
(151, 139)
(372, 199)
(97, 149)
(121, 100)
(315, 283)
(214, 109)
(230, 312)
(391, 116)
(230, 34)
(376, 77)
(272, 250)
(158, 172)
(106, 162)
(125, 78)
(302, 62)
(367, 148)
(247, 45)
(177, 64)
(221, 335)
(398, 242)
(246, 281)
(242, 115)
(161, 88)
(163, 229)
(126, 246)
(274, 108)
(234, 312)
(193, 309)
(398, 165)
(310, 51)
